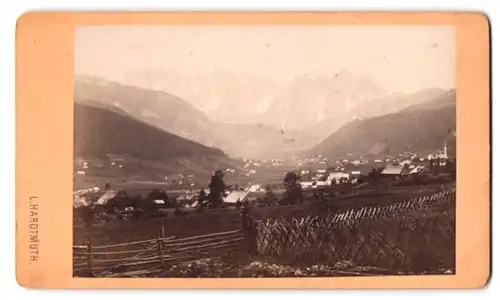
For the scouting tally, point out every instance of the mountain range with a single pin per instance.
(316, 104)
(420, 128)
(243, 98)
(175, 115)
(310, 112)
(214, 93)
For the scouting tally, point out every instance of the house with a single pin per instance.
(255, 188)
(306, 184)
(337, 177)
(405, 162)
(393, 170)
(114, 197)
(355, 173)
(233, 197)
(320, 183)
(79, 201)
(159, 201)
(188, 198)
(414, 175)
(417, 169)
(420, 171)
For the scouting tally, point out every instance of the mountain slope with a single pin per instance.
(155, 107)
(375, 107)
(213, 93)
(99, 132)
(419, 128)
(309, 100)
(173, 114)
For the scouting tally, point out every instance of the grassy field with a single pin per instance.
(121, 231)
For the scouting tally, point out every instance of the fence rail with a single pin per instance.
(152, 255)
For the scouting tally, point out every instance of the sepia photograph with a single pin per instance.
(240, 151)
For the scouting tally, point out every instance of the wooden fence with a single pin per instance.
(150, 256)
(417, 234)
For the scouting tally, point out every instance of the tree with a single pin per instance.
(202, 198)
(333, 187)
(293, 192)
(433, 164)
(217, 188)
(203, 195)
(269, 197)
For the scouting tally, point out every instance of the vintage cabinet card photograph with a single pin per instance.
(253, 150)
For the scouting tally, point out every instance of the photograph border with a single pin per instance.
(44, 147)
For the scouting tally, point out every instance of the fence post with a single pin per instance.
(253, 237)
(89, 257)
(249, 231)
(244, 223)
(162, 229)
(160, 253)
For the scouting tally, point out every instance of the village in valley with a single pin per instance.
(317, 176)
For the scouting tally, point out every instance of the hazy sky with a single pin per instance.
(397, 58)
